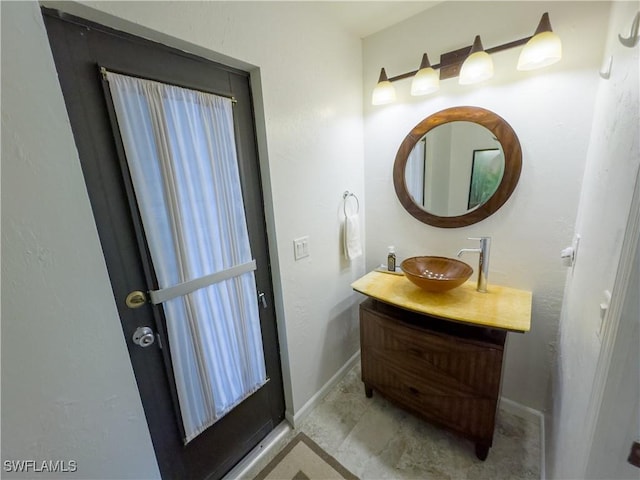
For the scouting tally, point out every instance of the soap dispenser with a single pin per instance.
(391, 259)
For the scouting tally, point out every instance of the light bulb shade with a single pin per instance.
(476, 68)
(541, 50)
(384, 92)
(426, 81)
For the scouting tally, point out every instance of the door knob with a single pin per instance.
(143, 336)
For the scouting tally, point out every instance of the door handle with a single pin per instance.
(143, 337)
(262, 299)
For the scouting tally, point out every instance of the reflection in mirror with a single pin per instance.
(486, 173)
(454, 168)
(457, 167)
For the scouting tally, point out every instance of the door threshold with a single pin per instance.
(245, 465)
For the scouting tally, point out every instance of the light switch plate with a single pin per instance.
(301, 247)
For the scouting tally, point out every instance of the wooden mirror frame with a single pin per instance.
(512, 164)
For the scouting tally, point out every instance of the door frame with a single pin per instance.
(613, 322)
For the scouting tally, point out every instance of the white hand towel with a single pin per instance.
(352, 243)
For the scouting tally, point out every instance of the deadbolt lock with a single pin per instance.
(136, 299)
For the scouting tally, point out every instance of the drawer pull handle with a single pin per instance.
(415, 351)
(413, 390)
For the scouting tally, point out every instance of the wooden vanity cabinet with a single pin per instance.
(445, 372)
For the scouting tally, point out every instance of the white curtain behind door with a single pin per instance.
(181, 153)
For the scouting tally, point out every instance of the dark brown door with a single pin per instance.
(79, 47)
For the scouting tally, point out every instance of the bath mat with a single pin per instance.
(303, 459)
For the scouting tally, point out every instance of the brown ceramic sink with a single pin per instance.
(436, 274)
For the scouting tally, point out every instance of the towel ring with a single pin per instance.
(345, 197)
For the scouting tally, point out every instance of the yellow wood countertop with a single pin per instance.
(501, 307)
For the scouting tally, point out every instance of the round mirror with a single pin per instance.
(457, 167)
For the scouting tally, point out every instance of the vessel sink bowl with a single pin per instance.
(436, 274)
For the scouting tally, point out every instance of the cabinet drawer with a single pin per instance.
(469, 367)
(465, 413)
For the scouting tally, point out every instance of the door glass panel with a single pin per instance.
(181, 154)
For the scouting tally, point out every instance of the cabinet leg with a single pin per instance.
(368, 391)
(482, 451)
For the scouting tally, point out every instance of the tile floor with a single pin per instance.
(376, 440)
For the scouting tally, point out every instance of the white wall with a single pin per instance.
(68, 391)
(550, 111)
(67, 385)
(612, 165)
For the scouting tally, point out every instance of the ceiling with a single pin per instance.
(364, 17)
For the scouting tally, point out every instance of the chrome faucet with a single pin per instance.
(483, 264)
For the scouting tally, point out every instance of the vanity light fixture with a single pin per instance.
(473, 64)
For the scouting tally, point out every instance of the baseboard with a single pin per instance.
(297, 418)
(533, 415)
